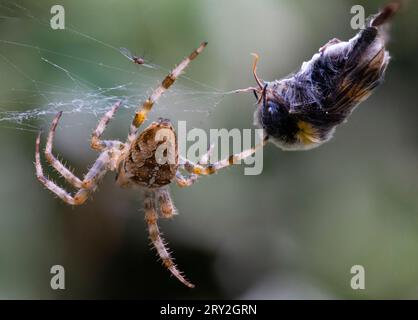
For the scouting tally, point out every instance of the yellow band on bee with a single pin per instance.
(307, 134)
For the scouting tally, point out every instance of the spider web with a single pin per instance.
(52, 80)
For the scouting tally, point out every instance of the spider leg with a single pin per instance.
(165, 202)
(66, 173)
(328, 44)
(98, 144)
(97, 171)
(89, 183)
(61, 193)
(184, 182)
(151, 218)
(204, 170)
(205, 158)
(141, 114)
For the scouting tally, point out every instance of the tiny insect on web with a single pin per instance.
(135, 59)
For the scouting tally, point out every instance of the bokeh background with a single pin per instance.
(292, 232)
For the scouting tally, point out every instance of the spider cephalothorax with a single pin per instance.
(148, 159)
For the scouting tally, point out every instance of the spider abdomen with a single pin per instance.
(146, 171)
(152, 160)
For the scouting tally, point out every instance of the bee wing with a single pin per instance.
(297, 96)
(365, 64)
(357, 84)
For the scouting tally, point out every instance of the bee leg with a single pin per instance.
(262, 97)
(328, 44)
(255, 94)
(260, 82)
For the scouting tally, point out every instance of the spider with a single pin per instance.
(137, 164)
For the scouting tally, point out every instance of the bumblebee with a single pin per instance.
(302, 111)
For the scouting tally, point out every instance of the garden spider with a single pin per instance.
(137, 164)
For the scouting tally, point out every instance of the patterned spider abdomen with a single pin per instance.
(152, 159)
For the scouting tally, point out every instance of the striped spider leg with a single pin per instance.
(142, 112)
(202, 169)
(183, 181)
(110, 150)
(167, 210)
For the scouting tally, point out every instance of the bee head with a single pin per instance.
(287, 129)
(274, 117)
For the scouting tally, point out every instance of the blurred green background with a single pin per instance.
(292, 232)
